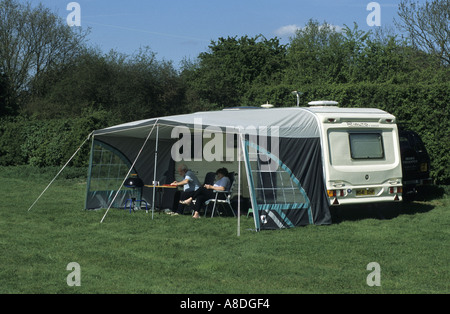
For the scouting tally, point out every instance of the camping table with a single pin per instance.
(160, 190)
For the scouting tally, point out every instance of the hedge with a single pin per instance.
(422, 107)
(46, 143)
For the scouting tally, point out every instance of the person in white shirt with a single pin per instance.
(190, 184)
(205, 192)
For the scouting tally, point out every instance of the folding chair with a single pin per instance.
(209, 178)
(223, 202)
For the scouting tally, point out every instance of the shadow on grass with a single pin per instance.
(384, 211)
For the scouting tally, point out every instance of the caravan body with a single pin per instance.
(361, 154)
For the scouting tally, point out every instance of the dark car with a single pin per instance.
(415, 162)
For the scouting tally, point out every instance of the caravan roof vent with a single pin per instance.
(240, 108)
(267, 105)
(323, 103)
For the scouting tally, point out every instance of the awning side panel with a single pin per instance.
(287, 191)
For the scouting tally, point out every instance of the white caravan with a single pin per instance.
(361, 154)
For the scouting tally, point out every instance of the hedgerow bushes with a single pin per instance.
(50, 142)
(422, 107)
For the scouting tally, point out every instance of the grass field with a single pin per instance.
(131, 253)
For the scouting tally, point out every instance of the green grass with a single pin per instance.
(131, 253)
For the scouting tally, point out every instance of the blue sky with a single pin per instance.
(177, 29)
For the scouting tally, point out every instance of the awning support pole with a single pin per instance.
(89, 136)
(154, 171)
(129, 171)
(239, 184)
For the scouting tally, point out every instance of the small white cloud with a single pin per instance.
(288, 30)
(337, 28)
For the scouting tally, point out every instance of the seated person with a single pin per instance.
(206, 192)
(190, 185)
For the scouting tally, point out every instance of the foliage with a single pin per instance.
(49, 142)
(33, 40)
(316, 54)
(7, 106)
(428, 26)
(132, 87)
(232, 65)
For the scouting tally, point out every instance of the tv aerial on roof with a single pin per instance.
(298, 94)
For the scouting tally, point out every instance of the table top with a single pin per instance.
(165, 186)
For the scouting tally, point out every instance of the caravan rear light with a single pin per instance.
(331, 120)
(334, 193)
(397, 189)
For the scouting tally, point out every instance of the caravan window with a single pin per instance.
(366, 145)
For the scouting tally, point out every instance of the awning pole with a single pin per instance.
(251, 188)
(154, 171)
(239, 185)
(89, 136)
(129, 171)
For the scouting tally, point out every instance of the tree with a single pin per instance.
(5, 106)
(315, 55)
(232, 65)
(133, 87)
(428, 26)
(31, 41)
